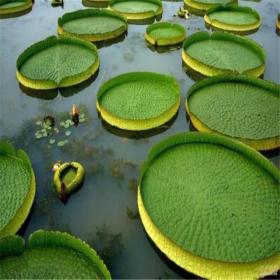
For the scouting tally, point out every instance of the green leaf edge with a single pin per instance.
(23, 211)
(130, 76)
(230, 7)
(90, 12)
(134, 17)
(15, 11)
(15, 245)
(66, 81)
(165, 41)
(219, 35)
(197, 137)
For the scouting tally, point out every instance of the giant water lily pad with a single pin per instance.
(92, 24)
(137, 10)
(212, 205)
(199, 7)
(217, 53)
(241, 20)
(17, 190)
(241, 107)
(57, 62)
(12, 8)
(49, 255)
(165, 34)
(138, 101)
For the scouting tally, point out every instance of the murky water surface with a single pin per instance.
(104, 211)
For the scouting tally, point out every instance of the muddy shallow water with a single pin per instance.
(104, 211)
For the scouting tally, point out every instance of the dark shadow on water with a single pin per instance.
(163, 49)
(137, 134)
(185, 274)
(195, 76)
(47, 94)
(144, 21)
(52, 93)
(110, 42)
(96, 4)
(69, 91)
(272, 153)
(17, 14)
(26, 223)
(175, 268)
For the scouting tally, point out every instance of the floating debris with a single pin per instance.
(182, 13)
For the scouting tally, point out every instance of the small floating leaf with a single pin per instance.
(67, 133)
(38, 123)
(51, 141)
(60, 143)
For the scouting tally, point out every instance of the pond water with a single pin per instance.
(104, 211)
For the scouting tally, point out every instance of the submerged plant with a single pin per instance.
(199, 7)
(49, 130)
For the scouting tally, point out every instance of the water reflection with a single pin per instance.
(163, 49)
(52, 93)
(110, 42)
(137, 134)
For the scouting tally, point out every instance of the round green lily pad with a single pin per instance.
(96, 3)
(13, 8)
(165, 34)
(92, 24)
(138, 101)
(199, 7)
(241, 20)
(241, 107)
(137, 10)
(57, 62)
(17, 190)
(212, 205)
(217, 53)
(49, 255)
